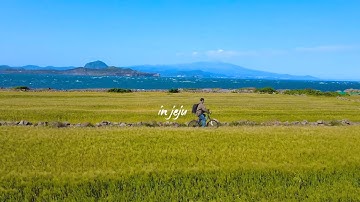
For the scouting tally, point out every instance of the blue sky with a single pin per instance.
(300, 37)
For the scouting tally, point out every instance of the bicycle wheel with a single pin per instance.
(193, 123)
(213, 124)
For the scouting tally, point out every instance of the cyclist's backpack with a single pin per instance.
(194, 108)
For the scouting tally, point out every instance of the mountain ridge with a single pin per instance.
(216, 70)
(196, 69)
(96, 68)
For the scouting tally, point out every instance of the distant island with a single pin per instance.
(190, 70)
(96, 68)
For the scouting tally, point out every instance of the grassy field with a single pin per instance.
(229, 163)
(261, 163)
(94, 107)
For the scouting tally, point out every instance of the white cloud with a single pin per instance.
(221, 53)
(195, 53)
(227, 54)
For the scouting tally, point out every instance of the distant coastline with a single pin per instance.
(189, 70)
(180, 90)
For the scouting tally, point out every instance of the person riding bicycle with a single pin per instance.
(201, 109)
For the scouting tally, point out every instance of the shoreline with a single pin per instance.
(217, 90)
(143, 89)
(349, 91)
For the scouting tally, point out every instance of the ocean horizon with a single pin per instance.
(71, 82)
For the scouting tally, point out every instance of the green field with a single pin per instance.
(247, 163)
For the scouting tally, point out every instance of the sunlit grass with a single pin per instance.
(249, 163)
(132, 107)
(278, 163)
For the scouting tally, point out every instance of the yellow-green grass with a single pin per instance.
(76, 107)
(177, 164)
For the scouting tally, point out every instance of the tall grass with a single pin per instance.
(167, 164)
(177, 164)
(133, 107)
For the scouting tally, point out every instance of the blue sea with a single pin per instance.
(67, 82)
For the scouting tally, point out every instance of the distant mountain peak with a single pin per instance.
(96, 65)
(216, 70)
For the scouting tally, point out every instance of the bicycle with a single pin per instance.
(212, 123)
